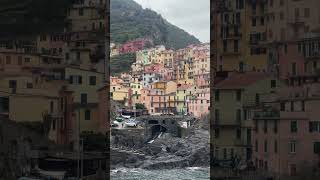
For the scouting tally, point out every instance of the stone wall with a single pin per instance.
(17, 148)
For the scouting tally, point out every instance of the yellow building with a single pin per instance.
(85, 84)
(119, 93)
(233, 98)
(235, 22)
(166, 86)
(86, 16)
(28, 98)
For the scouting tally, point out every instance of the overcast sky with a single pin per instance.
(192, 16)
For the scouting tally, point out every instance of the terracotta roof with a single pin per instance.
(240, 80)
(184, 86)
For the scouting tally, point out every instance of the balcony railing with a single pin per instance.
(266, 114)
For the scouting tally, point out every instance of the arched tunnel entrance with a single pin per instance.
(157, 129)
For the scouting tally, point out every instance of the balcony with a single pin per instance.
(297, 21)
(231, 124)
(293, 115)
(242, 143)
(232, 37)
(266, 114)
(231, 53)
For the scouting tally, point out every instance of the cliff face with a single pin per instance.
(130, 21)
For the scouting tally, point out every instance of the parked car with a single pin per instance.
(119, 119)
(114, 125)
(157, 114)
(131, 123)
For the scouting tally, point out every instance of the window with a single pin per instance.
(292, 106)
(256, 146)
(266, 165)
(292, 146)
(238, 95)
(12, 84)
(273, 83)
(281, 16)
(29, 85)
(275, 127)
(296, 13)
(71, 79)
(306, 12)
(8, 59)
(256, 126)
(262, 21)
(238, 115)
(92, 80)
(275, 146)
(81, 12)
(87, 115)
(26, 60)
(216, 133)
(78, 55)
(51, 106)
(217, 116)
(302, 106)
(241, 4)
(224, 153)
(83, 98)
(265, 126)
(254, 22)
(245, 114)
(265, 146)
(225, 46)
(53, 124)
(241, 66)
(294, 126)
(19, 60)
(232, 153)
(67, 56)
(293, 170)
(217, 95)
(316, 147)
(257, 98)
(238, 134)
(79, 79)
(314, 126)
(281, 2)
(4, 104)
(285, 48)
(236, 46)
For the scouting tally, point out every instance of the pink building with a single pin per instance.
(199, 104)
(291, 62)
(202, 80)
(286, 139)
(133, 46)
(167, 74)
(115, 81)
(145, 98)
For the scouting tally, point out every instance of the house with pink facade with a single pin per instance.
(286, 139)
(133, 46)
(199, 103)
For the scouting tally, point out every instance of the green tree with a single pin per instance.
(140, 106)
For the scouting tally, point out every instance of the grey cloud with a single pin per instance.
(192, 16)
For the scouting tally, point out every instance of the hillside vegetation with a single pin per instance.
(130, 21)
(121, 63)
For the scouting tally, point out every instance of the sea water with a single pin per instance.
(192, 173)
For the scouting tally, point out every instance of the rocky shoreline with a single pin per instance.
(166, 152)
